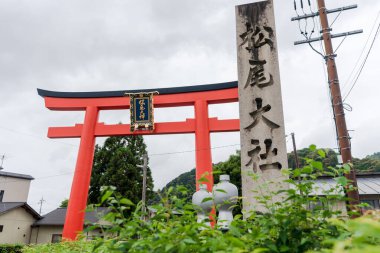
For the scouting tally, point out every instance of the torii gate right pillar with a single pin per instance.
(262, 134)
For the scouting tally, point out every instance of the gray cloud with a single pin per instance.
(111, 45)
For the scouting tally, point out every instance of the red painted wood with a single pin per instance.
(224, 125)
(202, 145)
(171, 100)
(202, 126)
(185, 127)
(81, 182)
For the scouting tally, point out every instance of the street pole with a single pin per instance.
(41, 202)
(337, 104)
(144, 167)
(295, 151)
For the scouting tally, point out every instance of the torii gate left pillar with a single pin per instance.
(82, 176)
(92, 102)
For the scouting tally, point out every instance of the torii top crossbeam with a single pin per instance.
(92, 102)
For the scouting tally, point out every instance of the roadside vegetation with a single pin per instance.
(300, 223)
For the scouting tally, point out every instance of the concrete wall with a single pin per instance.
(15, 189)
(44, 234)
(17, 226)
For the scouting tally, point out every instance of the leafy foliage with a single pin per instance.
(374, 156)
(359, 235)
(186, 180)
(330, 158)
(115, 163)
(370, 163)
(287, 226)
(300, 222)
(10, 248)
(367, 164)
(62, 247)
(64, 203)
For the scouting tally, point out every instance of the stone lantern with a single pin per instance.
(225, 197)
(203, 207)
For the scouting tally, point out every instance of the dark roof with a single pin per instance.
(359, 174)
(121, 93)
(366, 185)
(367, 174)
(57, 217)
(8, 206)
(16, 175)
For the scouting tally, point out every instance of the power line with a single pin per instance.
(361, 53)
(38, 178)
(35, 136)
(337, 16)
(193, 150)
(157, 154)
(304, 32)
(363, 64)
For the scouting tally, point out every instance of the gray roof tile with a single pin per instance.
(16, 175)
(57, 217)
(8, 206)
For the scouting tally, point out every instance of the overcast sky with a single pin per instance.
(87, 45)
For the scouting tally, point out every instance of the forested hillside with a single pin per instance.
(371, 163)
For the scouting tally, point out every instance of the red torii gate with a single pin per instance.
(92, 102)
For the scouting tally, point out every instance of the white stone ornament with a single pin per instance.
(203, 208)
(225, 197)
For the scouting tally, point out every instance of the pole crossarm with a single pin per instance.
(337, 35)
(314, 14)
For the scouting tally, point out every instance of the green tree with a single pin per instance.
(115, 164)
(187, 179)
(374, 156)
(64, 203)
(330, 159)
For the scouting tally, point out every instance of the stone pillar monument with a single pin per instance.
(262, 134)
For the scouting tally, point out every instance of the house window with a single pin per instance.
(1, 195)
(1, 228)
(56, 238)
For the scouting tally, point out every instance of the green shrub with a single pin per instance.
(287, 226)
(62, 247)
(10, 248)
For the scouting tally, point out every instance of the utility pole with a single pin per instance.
(337, 104)
(144, 167)
(336, 97)
(41, 202)
(2, 161)
(295, 151)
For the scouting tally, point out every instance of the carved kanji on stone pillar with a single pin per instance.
(263, 149)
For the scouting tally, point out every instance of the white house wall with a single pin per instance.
(16, 226)
(15, 189)
(43, 234)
